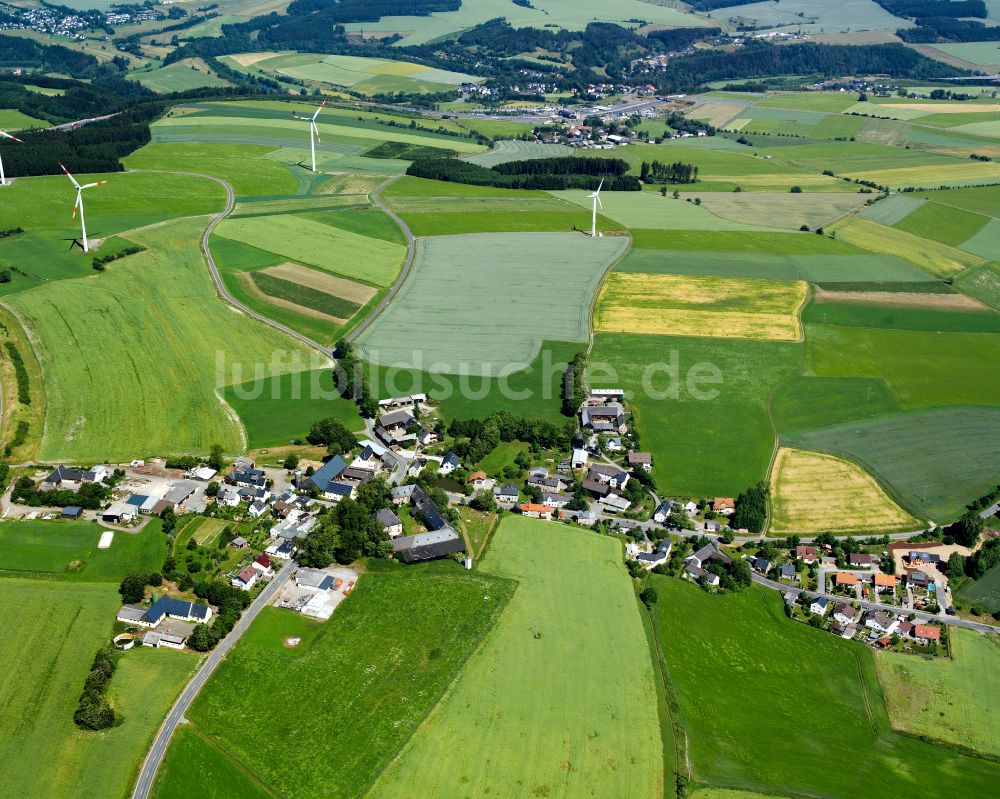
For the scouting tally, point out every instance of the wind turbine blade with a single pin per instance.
(64, 169)
(315, 130)
(304, 119)
(599, 185)
(599, 203)
(76, 204)
(318, 110)
(6, 135)
(91, 185)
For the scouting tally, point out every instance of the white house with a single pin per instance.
(882, 623)
(819, 605)
(245, 578)
(228, 497)
(580, 458)
(257, 508)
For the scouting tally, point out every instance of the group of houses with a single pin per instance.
(876, 627)
(439, 540)
(168, 622)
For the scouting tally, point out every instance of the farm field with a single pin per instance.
(808, 401)
(69, 550)
(527, 682)
(774, 751)
(14, 120)
(934, 258)
(985, 591)
(179, 77)
(648, 210)
(814, 493)
(172, 377)
(278, 410)
(632, 302)
(282, 750)
(943, 223)
(981, 53)
(507, 150)
(314, 243)
(932, 462)
(905, 312)
(194, 767)
(946, 699)
(540, 286)
(818, 15)
(700, 405)
(774, 210)
(60, 628)
(983, 284)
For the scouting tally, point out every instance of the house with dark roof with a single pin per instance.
(598, 489)
(449, 464)
(650, 560)
(391, 523)
(164, 607)
(806, 554)
(608, 418)
(819, 605)
(428, 546)
(788, 572)
(608, 473)
(397, 428)
(507, 494)
(761, 565)
(247, 477)
(327, 479)
(861, 559)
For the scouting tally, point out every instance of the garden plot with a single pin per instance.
(324, 246)
(648, 209)
(779, 210)
(677, 305)
(488, 301)
(815, 493)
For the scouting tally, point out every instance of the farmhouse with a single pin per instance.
(535, 511)
(228, 497)
(604, 418)
(330, 481)
(396, 403)
(119, 513)
(164, 607)
(70, 478)
(555, 500)
(508, 494)
(428, 546)
(614, 476)
(397, 427)
(401, 494)
(247, 477)
(390, 522)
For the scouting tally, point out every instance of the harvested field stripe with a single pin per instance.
(303, 295)
(933, 257)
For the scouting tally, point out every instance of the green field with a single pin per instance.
(165, 298)
(281, 409)
(648, 210)
(981, 53)
(778, 209)
(808, 401)
(985, 591)
(69, 549)
(586, 726)
(59, 628)
(946, 699)
(194, 767)
(901, 317)
(11, 119)
(242, 165)
(943, 223)
(706, 421)
(764, 744)
(982, 283)
(932, 462)
(984, 242)
(540, 287)
(507, 150)
(305, 296)
(374, 646)
(323, 246)
(178, 77)
(981, 199)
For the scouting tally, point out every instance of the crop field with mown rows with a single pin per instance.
(486, 302)
(528, 715)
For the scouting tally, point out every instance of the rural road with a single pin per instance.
(410, 249)
(208, 665)
(925, 617)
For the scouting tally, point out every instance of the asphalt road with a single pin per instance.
(892, 609)
(208, 665)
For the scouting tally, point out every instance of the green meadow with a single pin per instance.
(807, 401)
(701, 405)
(984, 592)
(763, 744)
(195, 767)
(69, 550)
(586, 725)
(901, 317)
(374, 646)
(60, 627)
(165, 298)
(177, 77)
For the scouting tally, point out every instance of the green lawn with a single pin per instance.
(791, 672)
(366, 679)
(69, 550)
(706, 422)
(191, 344)
(932, 462)
(947, 699)
(586, 725)
(12, 119)
(59, 628)
(278, 410)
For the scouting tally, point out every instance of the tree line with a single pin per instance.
(676, 172)
(20, 373)
(93, 711)
(574, 384)
(349, 530)
(587, 173)
(751, 509)
(482, 436)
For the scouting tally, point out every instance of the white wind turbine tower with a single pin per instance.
(5, 135)
(596, 197)
(313, 132)
(79, 203)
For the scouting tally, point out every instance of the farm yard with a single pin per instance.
(361, 736)
(589, 724)
(814, 493)
(806, 668)
(540, 285)
(946, 699)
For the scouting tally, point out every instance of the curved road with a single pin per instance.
(176, 714)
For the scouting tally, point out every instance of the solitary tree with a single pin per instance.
(132, 588)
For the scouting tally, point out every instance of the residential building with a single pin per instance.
(247, 477)
(659, 555)
(257, 508)
(724, 505)
(535, 511)
(843, 613)
(861, 559)
(327, 480)
(885, 582)
(806, 554)
(925, 634)
(428, 546)
(846, 579)
(390, 522)
(507, 494)
(881, 623)
(761, 565)
(245, 578)
(262, 563)
(449, 464)
(787, 572)
(608, 418)
(641, 460)
(819, 606)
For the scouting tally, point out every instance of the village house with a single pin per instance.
(262, 563)
(257, 508)
(659, 555)
(401, 494)
(925, 634)
(247, 477)
(723, 505)
(885, 582)
(245, 578)
(507, 494)
(846, 579)
(228, 497)
(614, 476)
(449, 464)
(546, 483)
(373, 458)
(329, 480)
(881, 623)
(281, 550)
(391, 523)
(787, 572)
(819, 605)
(535, 511)
(70, 478)
(164, 607)
(761, 565)
(297, 525)
(861, 560)
(555, 500)
(397, 428)
(641, 460)
(663, 510)
(843, 613)
(806, 554)
(694, 564)
(480, 481)
(580, 458)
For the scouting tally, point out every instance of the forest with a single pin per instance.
(551, 174)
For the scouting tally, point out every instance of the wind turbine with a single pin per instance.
(313, 132)
(5, 135)
(596, 197)
(79, 203)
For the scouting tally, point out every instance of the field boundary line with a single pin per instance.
(670, 700)
(239, 764)
(36, 348)
(599, 288)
